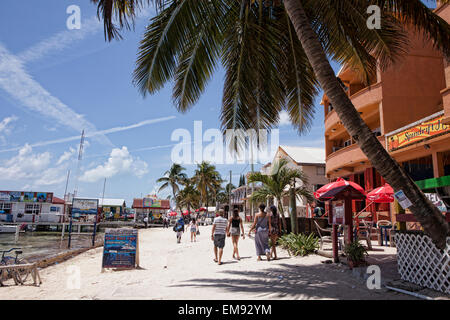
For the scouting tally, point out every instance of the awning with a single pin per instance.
(433, 183)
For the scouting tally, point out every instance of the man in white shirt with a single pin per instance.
(218, 234)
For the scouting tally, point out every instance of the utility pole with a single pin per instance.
(293, 208)
(80, 157)
(251, 166)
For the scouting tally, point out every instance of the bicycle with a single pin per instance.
(20, 275)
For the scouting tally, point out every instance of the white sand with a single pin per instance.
(187, 271)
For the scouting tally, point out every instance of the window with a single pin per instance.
(32, 208)
(348, 143)
(320, 171)
(330, 107)
(6, 207)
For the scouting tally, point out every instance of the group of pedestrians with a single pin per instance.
(265, 225)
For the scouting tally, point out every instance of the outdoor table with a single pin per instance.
(384, 231)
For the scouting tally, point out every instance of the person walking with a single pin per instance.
(179, 229)
(218, 234)
(274, 230)
(146, 221)
(261, 227)
(235, 225)
(194, 227)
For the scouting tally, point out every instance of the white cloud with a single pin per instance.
(284, 118)
(21, 86)
(66, 156)
(120, 161)
(5, 128)
(25, 165)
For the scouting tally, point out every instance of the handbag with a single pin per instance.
(198, 232)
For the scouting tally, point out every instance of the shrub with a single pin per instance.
(355, 252)
(299, 244)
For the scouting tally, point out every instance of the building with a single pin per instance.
(240, 200)
(112, 209)
(309, 160)
(408, 108)
(150, 206)
(24, 206)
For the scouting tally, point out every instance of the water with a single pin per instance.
(37, 245)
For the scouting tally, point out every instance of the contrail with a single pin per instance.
(93, 134)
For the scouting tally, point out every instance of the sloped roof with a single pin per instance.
(57, 200)
(111, 202)
(305, 155)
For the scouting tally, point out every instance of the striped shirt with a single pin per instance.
(221, 225)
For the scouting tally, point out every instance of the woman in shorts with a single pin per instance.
(194, 227)
(235, 226)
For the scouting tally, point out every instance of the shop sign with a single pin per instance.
(84, 206)
(437, 201)
(402, 199)
(151, 203)
(338, 212)
(18, 196)
(424, 130)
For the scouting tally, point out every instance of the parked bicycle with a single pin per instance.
(20, 275)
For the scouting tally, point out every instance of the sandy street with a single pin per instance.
(187, 271)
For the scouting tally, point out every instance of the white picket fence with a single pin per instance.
(421, 262)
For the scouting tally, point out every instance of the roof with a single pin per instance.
(57, 200)
(305, 155)
(111, 202)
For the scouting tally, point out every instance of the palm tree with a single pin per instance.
(189, 196)
(206, 179)
(173, 178)
(274, 185)
(275, 54)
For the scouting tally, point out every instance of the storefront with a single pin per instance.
(151, 207)
(23, 206)
(112, 209)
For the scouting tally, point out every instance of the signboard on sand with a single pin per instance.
(84, 206)
(121, 249)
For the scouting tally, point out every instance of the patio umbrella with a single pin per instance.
(186, 213)
(172, 214)
(337, 185)
(384, 194)
(202, 209)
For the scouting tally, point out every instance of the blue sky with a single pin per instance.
(54, 82)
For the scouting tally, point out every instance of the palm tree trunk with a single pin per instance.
(426, 213)
(281, 210)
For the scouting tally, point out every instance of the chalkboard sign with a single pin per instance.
(121, 249)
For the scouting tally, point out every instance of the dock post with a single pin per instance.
(63, 230)
(16, 236)
(70, 232)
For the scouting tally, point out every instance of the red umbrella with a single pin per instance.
(203, 209)
(172, 214)
(384, 194)
(186, 213)
(339, 183)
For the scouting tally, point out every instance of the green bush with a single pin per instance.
(355, 252)
(299, 244)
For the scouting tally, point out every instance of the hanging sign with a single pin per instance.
(404, 202)
(338, 212)
(417, 133)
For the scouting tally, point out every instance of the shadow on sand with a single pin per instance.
(289, 282)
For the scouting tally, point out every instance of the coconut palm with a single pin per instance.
(189, 196)
(173, 178)
(275, 54)
(275, 185)
(206, 179)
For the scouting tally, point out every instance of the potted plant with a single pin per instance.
(356, 254)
